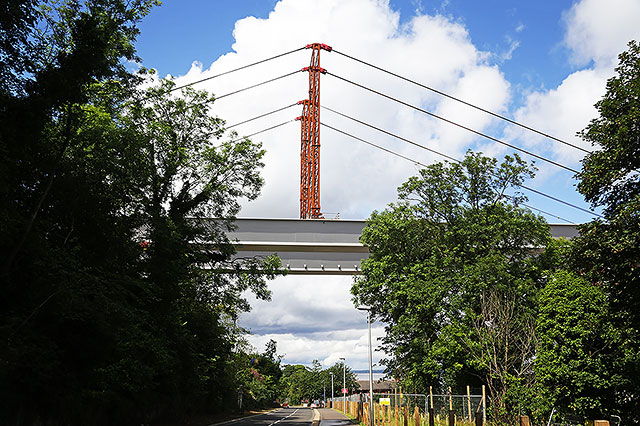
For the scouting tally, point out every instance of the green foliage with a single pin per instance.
(300, 383)
(438, 257)
(258, 377)
(606, 252)
(576, 370)
(119, 295)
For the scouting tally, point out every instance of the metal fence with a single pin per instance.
(464, 408)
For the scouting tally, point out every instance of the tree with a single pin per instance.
(452, 243)
(300, 382)
(606, 252)
(576, 369)
(119, 294)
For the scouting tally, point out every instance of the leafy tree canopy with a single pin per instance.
(454, 239)
(119, 294)
(607, 250)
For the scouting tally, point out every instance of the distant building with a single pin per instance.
(379, 386)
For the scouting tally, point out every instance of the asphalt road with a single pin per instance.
(281, 417)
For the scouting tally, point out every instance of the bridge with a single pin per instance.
(318, 246)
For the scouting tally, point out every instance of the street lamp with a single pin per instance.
(332, 394)
(364, 308)
(344, 386)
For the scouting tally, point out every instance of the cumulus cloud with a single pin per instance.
(596, 32)
(312, 317)
(355, 178)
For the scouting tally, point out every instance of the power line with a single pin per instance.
(454, 123)
(236, 69)
(465, 102)
(258, 84)
(458, 161)
(424, 165)
(261, 115)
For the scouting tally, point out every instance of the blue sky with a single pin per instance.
(544, 63)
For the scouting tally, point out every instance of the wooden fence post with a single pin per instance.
(452, 415)
(469, 402)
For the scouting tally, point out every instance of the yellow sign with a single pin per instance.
(385, 401)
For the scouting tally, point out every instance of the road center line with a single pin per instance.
(284, 418)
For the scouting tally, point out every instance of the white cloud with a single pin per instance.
(312, 317)
(561, 112)
(513, 45)
(355, 178)
(598, 30)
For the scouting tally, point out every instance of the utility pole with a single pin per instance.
(344, 386)
(332, 394)
(371, 414)
(324, 393)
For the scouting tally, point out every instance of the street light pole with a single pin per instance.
(332, 394)
(371, 414)
(344, 386)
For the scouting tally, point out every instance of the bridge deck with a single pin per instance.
(317, 246)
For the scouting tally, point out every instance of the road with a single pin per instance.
(281, 417)
(294, 416)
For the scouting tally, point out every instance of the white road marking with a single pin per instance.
(284, 418)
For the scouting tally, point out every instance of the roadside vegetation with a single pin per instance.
(119, 296)
(473, 290)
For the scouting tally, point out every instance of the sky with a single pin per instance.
(542, 63)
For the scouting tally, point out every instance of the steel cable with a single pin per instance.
(524, 126)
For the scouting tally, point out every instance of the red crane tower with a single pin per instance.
(310, 138)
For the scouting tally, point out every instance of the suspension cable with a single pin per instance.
(551, 197)
(258, 84)
(263, 130)
(424, 165)
(237, 69)
(465, 102)
(454, 123)
(261, 115)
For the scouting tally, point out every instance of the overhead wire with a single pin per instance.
(454, 123)
(237, 69)
(257, 84)
(261, 115)
(439, 92)
(551, 197)
(424, 165)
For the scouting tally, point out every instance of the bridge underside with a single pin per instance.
(317, 246)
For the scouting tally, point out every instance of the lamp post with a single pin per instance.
(332, 394)
(364, 308)
(344, 386)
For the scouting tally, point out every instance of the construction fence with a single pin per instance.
(415, 409)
